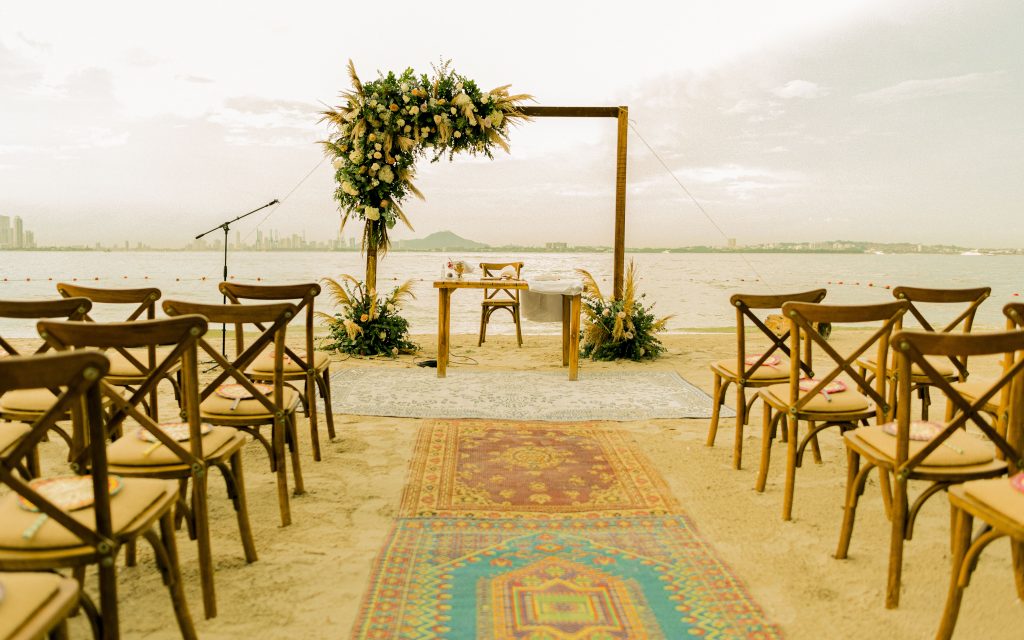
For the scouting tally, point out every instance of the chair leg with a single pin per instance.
(108, 618)
(961, 567)
(1017, 553)
(282, 471)
(850, 508)
(172, 574)
(519, 326)
(741, 419)
(296, 465)
(815, 448)
(716, 406)
(201, 517)
(896, 542)
(483, 326)
(324, 380)
(311, 416)
(787, 499)
(242, 508)
(926, 400)
(767, 432)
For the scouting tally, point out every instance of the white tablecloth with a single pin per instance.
(543, 301)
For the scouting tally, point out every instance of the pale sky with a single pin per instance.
(791, 120)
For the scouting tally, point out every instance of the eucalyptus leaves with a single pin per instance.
(386, 125)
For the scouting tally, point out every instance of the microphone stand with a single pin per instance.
(226, 226)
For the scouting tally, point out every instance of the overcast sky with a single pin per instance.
(790, 120)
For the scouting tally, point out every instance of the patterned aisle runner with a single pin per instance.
(546, 531)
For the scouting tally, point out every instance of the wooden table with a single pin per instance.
(570, 318)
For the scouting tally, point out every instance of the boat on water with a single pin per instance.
(972, 253)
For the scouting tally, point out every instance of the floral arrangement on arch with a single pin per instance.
(367, 325)
(617, 329)
(386, 125)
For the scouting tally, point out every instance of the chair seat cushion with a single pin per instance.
(848, 401)
(999, 495)
(120, 366)
(764, 372)
(132, 451)
(25, 594)
(219, 406)
(974, 451)
(135, 497)
(975, 388)
(940, 363)
(264, 363)
(11, 433)
(29, 400)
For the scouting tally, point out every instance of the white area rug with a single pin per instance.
(518, 395)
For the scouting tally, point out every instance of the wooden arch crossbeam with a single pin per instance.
(621, 114)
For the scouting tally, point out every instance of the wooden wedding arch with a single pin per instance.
(621, 114)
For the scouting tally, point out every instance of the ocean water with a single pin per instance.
(695, 288)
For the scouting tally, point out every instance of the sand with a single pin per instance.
(310, 576)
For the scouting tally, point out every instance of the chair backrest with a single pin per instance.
(79, 375)
(493, 270)
(271, 319)
(66, 308)
(1004, 430)
(803, 315)
(970, 299)
(182, 334)
(745, 304)
(302, 295)
(143, 298)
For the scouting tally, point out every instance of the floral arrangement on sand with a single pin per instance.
(617, 329)
(367, 325)
(386, 125)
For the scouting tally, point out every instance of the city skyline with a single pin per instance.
(14, 235)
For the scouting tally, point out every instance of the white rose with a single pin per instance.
(356, 157)
(401, 122)
(497, 117)
(404, 87)
(606, 313)
(377, 147)
(371, 213)
(629, 335)
(457, 134)
(386, 174)
(374, 167)
(383, 334)
(622, 314)
(407, 129)
(347, 187)
(453, 110)
(394, 351)
(338, 162)
(642, 351)
(377, 155)
(414, 109)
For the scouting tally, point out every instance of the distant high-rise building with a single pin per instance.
(30, 240)
(19, 233)
(731, 243)
(5, 232)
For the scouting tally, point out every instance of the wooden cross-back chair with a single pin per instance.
(275, 408)
(816, 404)
(148, 451)
(998, 503)
(499, 298)
(954, 369)
(36, 604)
(37, 535)
(312, 366)
(128, 367)
(754, 370)
(974, 387)
(22, 405)
(950, 455)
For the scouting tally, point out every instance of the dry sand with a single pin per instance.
(310, 577)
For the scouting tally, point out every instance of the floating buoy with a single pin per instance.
(28, 279)
(1016, 294)
(203, 278)
(259, 279)
(74, 279)
(177, 279)
(839, 282)
(888, 287)
(871, 284)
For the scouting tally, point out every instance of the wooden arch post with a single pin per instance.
(621, 114)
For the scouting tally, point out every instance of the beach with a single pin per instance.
(311, 577)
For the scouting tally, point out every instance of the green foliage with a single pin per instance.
(367, 325)
(385, 125)
(618, 329)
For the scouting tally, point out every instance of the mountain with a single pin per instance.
(440, 241)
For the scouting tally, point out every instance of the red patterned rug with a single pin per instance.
(487, 468)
